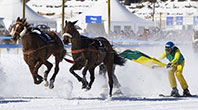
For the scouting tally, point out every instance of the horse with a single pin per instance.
(36, 51)
(89, 53)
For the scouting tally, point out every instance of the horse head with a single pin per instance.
(69, 31)
(19, 28)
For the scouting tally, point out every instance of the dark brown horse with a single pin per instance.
(36, 51)
(89, 53)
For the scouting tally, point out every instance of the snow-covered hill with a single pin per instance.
(188, 10)
(175, 8)
(144, 10)
(53, 7)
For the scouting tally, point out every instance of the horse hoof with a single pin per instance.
(37, 82)
(88, 88)
(46, 83)
(51, 86)
(84, 85)
(85, 89)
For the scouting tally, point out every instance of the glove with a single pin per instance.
(168, 65)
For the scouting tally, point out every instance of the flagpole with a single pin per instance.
(109, 15)
(23, 9)
(63, 15)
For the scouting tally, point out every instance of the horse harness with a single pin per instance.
(28, 52)
(98, 43)
(82, 50)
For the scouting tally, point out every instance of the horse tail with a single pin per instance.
(62, 54)
(118, 59)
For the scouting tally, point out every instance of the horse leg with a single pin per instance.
(34, 70)
(57, 61)
(74, 67)
(92, 77)
(109, 66)
(84, 82)
(49, 67)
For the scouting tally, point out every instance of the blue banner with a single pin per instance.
(195, 20)
(5, 37)
(179, 20)
(11, 46)
(94, 19)
(169, 20)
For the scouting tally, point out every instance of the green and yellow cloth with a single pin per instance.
(141, 58)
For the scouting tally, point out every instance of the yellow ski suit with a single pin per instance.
(177, 63)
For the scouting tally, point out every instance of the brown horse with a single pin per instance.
(89, 53)
(36, 51)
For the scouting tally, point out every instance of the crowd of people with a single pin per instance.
(154, 34)
(4, 33)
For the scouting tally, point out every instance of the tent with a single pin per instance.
(2, 25)
(3, 30)
(95, 18)
(11, 9)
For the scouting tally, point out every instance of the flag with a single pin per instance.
(142, 58)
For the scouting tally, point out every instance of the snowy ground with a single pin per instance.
(140, 85)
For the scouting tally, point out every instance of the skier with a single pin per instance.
(173, 54)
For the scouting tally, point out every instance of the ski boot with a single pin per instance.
(117, 91)
(186, 93)
(175, 92)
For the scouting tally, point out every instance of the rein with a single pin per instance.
(27, 52)
(82, 50)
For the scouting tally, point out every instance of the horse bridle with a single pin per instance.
(67, 34)
(22, 33)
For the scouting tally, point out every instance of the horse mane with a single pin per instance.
(26, 24)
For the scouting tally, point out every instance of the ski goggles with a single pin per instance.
(168, 48)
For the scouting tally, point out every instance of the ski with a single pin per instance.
(162, 95)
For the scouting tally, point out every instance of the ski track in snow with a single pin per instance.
(140, 85)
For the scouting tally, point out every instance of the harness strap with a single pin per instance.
(78, 51)
(82, 50)
(27, 52)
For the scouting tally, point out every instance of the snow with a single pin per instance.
(140, 85)
(169, 8)
(187, 9)
(73, 8)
